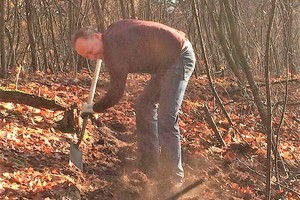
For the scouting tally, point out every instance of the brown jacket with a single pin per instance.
(135, 46)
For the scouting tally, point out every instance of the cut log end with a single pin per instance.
(70, 121)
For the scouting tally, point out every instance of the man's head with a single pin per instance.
(88, 43)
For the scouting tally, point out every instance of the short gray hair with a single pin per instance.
(84, 32)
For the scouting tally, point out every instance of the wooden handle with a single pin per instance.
(90, 98)
(94, 82)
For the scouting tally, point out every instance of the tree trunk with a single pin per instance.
(29, 16)
(52, 35)
(148, 10)
(288, 37)
(15, 36)
(269, 103)
(132, 9)
(222, 39)
(123, 9)
(244, 64)
(41, 32)
(98, 12)
(3, 67)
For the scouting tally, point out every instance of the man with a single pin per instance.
(135, 46)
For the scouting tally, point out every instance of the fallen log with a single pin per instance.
(16, 96)
(69, 122)
(237, 90)
(282, 81)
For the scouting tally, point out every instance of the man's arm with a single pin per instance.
(116, 90)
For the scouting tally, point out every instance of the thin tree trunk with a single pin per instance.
(288, 37)
(132, 9)
(269, 103)
(148, 10)
(242, 59)
(207, 28)
(123, 9)
(12, 33)
(29, 16)
(219, 101)
(3, 67)
(72, 28)
(222, 39)
(39, 27)
(10, 55)
(98, 12)
(15, 35)
(52, 35)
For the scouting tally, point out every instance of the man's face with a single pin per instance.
(90, 48)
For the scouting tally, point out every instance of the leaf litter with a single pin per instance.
(34, 162)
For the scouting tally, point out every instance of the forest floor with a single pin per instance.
(34, 152)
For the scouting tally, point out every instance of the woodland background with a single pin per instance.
(36, 34)
(248, 52)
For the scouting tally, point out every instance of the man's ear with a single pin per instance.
(96, 35)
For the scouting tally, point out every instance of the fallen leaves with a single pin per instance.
(34, 155)
(244, 192)
(29, 181)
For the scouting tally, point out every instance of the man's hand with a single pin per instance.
(87, 110)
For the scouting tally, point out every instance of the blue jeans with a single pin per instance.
(157, 115)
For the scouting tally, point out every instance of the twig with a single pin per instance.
(277, 141)
(185, 190)
(276, 183)
(213, 126)
(295, 118)
(296, 160)
(287, 103)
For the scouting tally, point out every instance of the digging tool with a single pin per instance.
(75, 153)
